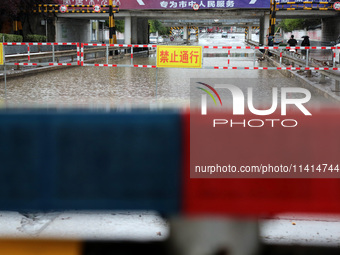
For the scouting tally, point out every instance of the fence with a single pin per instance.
(80, 52)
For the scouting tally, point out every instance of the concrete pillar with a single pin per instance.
(264, 29)
(185, 34)
(127, 30)
(139, 30)
(330, 29)
(250, 31)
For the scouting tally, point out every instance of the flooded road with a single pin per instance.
(77, 86)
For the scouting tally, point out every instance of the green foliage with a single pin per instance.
(156, 25)
(11, 38)
(288, 25)
(119, 24)
(35, 38)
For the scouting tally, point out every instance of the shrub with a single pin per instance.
(11, 38)
(35, 38)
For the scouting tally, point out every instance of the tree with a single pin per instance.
(119, 25)
(288, 25)
(10, 9)
(156, 25)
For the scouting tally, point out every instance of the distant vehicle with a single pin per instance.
(153, 39)
(160, 39)
(224, 35)
(156, 39)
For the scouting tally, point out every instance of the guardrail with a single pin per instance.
(125, 46)
(52, 55)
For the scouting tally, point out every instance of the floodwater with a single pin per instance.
(113, 86)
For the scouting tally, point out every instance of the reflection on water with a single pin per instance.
(126, 85)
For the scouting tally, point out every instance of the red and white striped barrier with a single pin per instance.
(274, 68)
(48, 44)
(113, 65)
(81, 53)
(122, 45)
(29, 53)
(273, 47)
(40, 64)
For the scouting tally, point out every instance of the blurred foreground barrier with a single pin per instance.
(87, 160)
(139, 160)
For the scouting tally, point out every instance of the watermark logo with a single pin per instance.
(239, 99)
(204, 96)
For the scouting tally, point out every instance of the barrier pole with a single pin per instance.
(53, 56)
(107, 54)
(112, 29)
(334, 56)
(254, 60)
(228, 57)
(131, 55)
(5, 70)
(307, 57)
(28, 53)
(156, 81)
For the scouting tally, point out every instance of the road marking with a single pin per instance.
(252, 1)
(142, 3)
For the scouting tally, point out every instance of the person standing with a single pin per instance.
(292, 42)
(270, 43)
(305, 43)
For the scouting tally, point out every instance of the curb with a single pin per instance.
(317, 87)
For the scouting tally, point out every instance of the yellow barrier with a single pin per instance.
(1, 54)
(40, 247)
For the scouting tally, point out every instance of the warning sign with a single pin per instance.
(1, 54)
(336, 6)
(179, 56)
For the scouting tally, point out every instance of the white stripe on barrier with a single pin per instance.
(122, 45)
(114, 65)
(41, 64)
(145, 66)
(14, 43)
(274, 68)
(274, 47)
(78, 54)
(82, 54)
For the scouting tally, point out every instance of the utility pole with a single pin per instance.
(112, 28)
(272, 20)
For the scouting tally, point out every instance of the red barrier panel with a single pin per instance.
(315, 140)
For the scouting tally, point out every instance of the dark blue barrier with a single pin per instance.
(87, 160)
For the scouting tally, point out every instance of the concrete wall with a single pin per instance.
(330, 29)
(139, 30)
(73, 30)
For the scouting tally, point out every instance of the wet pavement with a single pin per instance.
(112, 86)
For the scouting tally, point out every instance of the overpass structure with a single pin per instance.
(136, 14)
